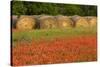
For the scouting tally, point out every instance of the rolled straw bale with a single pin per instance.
(26, 23)
(63, 21)
(37, 20)
(47, 22)
(92, 21)
(79, 21)
(14, 19)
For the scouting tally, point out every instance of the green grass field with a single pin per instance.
(51, 33)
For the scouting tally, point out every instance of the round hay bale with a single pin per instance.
(26, 23)
(47, 22)
(79, 21)
(14, 19)
(37, 20)
(92, 21)
(63, 21)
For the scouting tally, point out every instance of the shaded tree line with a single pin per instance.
(38, 8)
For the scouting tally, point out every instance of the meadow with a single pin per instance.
(28, 35)
(48, 46)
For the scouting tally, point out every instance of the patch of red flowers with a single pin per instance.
(58, 50)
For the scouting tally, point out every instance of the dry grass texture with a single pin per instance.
(47, 22)
(26, 23)
(92, 21)
(63, 21)
(80, 21)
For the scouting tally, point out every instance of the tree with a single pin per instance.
(18, 8)
(68, 9)
(89, 10)
(38, 8)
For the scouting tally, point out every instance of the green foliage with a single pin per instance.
(18, 8)
(72, 10)
(37, 8)
(52, 33)
(89, 10)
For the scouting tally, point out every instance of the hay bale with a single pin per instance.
(79, 21)
(47, 22)
(63, 21)
(92, 21)
(26, 23)
(14, 19)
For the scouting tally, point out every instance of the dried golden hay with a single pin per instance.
(63, 21)
(80, 21)
(26, 23)
(14, 19)
(47, 22)
(92, 21)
